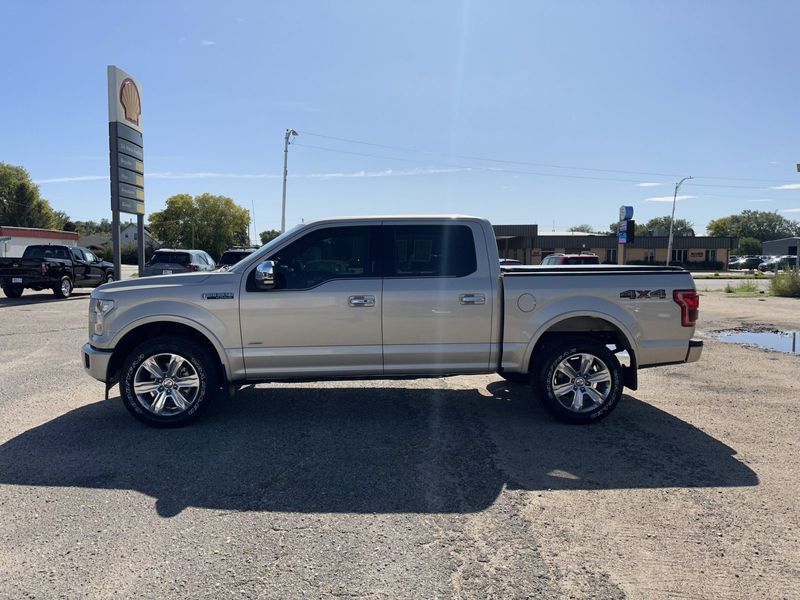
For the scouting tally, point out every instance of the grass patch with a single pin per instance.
(748, 287)
(786, 283)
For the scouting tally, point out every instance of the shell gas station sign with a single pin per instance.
(126, 154)
(125, 142)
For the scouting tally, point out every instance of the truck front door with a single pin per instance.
(437, 305)
(323, 318)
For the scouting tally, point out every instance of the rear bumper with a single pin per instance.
(695, 350)
(95, 362)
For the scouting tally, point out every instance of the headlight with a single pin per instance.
(101, 308)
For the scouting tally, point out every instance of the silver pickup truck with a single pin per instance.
(386, 297)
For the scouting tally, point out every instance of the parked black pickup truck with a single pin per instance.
(58, 268)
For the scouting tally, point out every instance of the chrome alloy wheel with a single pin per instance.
(581, 382)
(166, 384)
(66, 287)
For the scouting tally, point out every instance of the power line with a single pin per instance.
(522, 172)
(532, 164)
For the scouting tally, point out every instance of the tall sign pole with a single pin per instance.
(126, 154)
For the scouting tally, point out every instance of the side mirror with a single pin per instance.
(265, 275)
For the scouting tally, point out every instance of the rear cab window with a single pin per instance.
(180, 258)
(44, 252)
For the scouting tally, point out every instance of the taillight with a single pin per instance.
(689, 301)
(193, 267)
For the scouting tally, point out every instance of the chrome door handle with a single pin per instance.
(472, 299)
(361, 300)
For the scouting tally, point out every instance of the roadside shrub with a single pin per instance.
(729, 288)
(786, 283)
(748, 286)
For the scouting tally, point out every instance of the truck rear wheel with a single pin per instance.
(579, 381)
(168, 381)
(64, 288)
(13, 291)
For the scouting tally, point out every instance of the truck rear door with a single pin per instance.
(437, 309)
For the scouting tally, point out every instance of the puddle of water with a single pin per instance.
(782, 341)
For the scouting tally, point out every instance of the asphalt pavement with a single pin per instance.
(430, 488)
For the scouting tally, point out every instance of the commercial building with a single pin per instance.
(526, 244)
(14, 240)
(781, 247)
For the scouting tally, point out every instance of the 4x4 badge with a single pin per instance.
(643, 294)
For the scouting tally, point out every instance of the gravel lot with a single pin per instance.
(416, 489)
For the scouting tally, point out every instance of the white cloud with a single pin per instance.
(208, 43)
(72, 179)
(668, 198)
(787, 186)
(797, 210)
(648, 184)
(218, 175)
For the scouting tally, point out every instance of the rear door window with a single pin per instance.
(430, 251)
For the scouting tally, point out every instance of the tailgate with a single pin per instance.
(18, 267)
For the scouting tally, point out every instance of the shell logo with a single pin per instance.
(130, 100)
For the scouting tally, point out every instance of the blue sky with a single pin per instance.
(623, 93)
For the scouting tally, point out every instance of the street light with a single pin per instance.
(672, 220)
(290, 133)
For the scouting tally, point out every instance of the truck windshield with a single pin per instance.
(40, 252)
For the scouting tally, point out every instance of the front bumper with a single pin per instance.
(95, 362)
(695, 350)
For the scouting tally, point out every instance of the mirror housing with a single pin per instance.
(264, 275)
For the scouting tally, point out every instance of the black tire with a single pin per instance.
(521, 378)
(64, 288)
(13, 291)
(198, 361)
(546, 376)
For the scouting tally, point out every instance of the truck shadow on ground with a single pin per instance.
(45, 296)
(367, 450)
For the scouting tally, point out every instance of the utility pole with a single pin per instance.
(253, 214)
(672, 220)
(286, 141)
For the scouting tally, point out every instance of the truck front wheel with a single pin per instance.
(12, 291)
(64, 288)
(579, 381)
(168, 381)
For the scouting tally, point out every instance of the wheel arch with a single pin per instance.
(158, 327)
(602, 328)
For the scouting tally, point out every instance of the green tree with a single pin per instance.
(585, 228)
(93, 227)
(268, 235)
(20, 202)
(682, 226)
(748, 246)
(208, 222)
(758, 224)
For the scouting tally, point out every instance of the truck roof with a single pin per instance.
(436, 217)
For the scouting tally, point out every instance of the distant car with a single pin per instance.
(750, 262)
(778, 263)
(509, 261)
(232, 256)
(571, 259)
(167, 261)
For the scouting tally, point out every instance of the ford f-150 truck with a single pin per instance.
(54, 267)
(388, 297)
